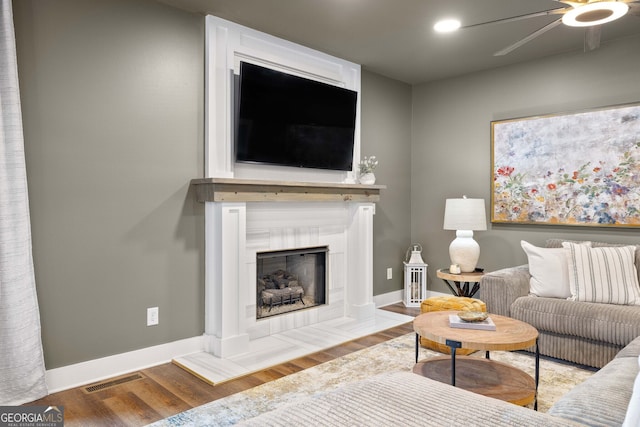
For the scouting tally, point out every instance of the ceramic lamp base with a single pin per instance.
(464, 251)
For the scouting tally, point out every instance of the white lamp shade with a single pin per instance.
(465, 214)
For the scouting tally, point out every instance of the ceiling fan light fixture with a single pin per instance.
(446, 25)
(595, 13)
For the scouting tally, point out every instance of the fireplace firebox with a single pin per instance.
(290, 280)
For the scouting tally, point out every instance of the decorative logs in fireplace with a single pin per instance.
(289, 280)
(278, 288)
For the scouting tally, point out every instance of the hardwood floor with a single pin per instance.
(165, 390)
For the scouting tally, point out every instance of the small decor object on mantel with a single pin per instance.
(366, 168)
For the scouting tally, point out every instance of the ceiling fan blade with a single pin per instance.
(558, 11)
(530, 37)
(592, 38)
(574, 3)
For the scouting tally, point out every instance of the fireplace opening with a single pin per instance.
(290, 280)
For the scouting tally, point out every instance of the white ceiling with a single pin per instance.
(395, 37)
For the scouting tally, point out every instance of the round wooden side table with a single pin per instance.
(461, 286)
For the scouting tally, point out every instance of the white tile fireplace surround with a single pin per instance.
(339, 216)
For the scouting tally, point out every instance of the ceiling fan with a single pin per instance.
(590, 14)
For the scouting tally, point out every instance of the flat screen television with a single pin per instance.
(288, 120)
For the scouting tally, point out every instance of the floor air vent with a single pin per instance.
(113, 382)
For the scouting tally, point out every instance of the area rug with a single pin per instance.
(398, 354)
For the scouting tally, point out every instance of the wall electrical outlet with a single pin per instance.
(389, 273)
(152, 316)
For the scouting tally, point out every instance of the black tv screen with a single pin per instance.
(288, 120)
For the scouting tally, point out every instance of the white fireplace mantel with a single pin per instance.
(293, 208)
(251, 208)
(286, 216)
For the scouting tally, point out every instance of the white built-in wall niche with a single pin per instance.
(228, 44)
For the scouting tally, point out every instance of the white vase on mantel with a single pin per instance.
(368, 178)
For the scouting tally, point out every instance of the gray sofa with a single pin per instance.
(586, 333)
(407, 399)
(603, 399)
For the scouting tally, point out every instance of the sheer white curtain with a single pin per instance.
(22, 373)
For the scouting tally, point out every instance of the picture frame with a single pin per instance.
(580, 168)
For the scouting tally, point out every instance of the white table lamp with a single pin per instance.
(465, 215)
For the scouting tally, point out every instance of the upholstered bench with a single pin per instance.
(449, 303)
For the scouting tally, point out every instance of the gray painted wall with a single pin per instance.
(451, 142)
(112, 94)
(386, 133)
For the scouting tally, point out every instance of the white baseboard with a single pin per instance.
(83, 373)
(398, 296)
(436, 294)
(388, 298)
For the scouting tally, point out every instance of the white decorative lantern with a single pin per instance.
(415, 278)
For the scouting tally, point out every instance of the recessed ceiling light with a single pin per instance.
(595, 14)
(446, 25)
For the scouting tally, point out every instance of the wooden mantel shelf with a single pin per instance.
(248, 190)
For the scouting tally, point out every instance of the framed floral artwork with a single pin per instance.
(568, 169)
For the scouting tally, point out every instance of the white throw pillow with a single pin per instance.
(632, 419)
(549, 271)
(604, 274)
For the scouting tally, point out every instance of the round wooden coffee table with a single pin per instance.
(482, 376)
